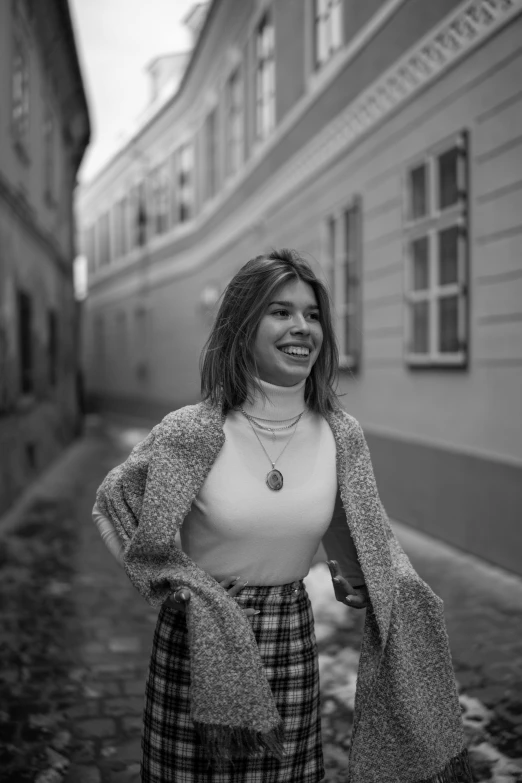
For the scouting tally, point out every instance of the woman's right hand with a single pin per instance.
(178, 601)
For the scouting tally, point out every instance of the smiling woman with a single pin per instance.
(233, 688)
(274, 311)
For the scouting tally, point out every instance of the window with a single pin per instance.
(89, 248)
(25, 342)
(182, 197)
(142, 216)
(120, 220)
(139, 217)
(211, 154)
(436, 257)
(159, 191)
(328, 29)
(104, 239)
(140, 344)
(48, 145)
(265, 77)
(343, 236)
(52, 346)
(20, 91)
(234, 123)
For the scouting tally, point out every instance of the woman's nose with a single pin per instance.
(300, 324)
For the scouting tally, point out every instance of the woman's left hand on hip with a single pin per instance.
(355, 597)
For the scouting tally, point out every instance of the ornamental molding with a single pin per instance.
(472, 23)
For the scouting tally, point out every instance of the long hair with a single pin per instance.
(227, 363)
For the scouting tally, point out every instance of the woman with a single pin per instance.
(254, 477)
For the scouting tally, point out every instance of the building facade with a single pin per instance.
(44, 130)
(384, 141)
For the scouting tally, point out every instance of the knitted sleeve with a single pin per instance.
(108, 534)
(120, 495)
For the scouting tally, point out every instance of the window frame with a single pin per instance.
(139, 225)
(20, 104)
(430, 226)
(26, 357)
(182, 204)
(261, 103)
(340, 259)
(104, 239)
(117, 228)
(49, 135)
(211, 127)
(159, 199)
(317, 64)
(89, 247)
(234, 121)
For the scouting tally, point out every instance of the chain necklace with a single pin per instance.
(274, 478)
(278, 421)
(272, 430)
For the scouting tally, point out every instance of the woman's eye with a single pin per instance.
(277, 312)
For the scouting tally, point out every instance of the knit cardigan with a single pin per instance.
(407, 723)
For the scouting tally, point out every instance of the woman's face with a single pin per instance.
(289, 336)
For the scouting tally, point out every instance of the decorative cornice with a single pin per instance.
(472, 23)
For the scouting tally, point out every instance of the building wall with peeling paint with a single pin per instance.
(44, 129)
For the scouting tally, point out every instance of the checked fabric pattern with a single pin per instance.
(285, 636)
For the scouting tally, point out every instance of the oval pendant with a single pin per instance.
(274, 480)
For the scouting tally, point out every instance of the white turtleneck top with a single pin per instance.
(237, 526)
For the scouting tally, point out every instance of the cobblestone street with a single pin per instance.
(75, 639)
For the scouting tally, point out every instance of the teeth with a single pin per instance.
(296, 351)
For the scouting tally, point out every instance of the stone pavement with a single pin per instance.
(75, 639)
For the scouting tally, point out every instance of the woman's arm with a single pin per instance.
(343, 562)
(108, 533)
(338, 544)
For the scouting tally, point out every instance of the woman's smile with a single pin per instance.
(296, 354)
(289, 336)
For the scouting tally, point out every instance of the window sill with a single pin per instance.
(454, 361)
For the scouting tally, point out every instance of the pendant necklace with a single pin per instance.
(274, 478)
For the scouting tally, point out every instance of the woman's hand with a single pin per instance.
(178, 601)
(356, 597)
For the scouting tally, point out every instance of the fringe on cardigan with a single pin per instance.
(457, 770)
(224, 743)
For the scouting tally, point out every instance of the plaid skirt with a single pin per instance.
(284, 631)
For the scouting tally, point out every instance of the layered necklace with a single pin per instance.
(274, 478)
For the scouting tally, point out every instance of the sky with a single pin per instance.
(116, 39)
